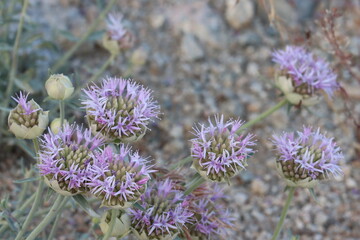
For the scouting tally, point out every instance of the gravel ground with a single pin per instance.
(206, 57)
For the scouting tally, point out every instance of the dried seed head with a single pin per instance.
(218, 151)
(59, 87)
(27, 120)
(305, 159)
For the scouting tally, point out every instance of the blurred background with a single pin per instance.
(201, 58)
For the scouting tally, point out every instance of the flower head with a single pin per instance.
(219, 151)
(211, 218)
(117, 37)
(163, 212)
(27, 120)
(65, 158)
(304, 76)
(119, 109)
(119, 179)
(59, 87)
(306, 157)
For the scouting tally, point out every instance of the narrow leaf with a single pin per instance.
(84, 204)
(31, 179)
(313, 195)
(138, 206)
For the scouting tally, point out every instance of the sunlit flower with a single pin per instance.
(119, 179)
(27, 120)
(119, 109)
(306, 157)
(219, 151)
(65, 158)
(303, 75)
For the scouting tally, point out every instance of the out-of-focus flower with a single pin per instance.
(119, 178)
(59, 87)
(119, 109)
(117, 37)
(65, 158)
(163, 212)
(55, 125)
(303, 76)
(211, 218)
(218, 151)
(27, 120)
(121, 227)
(309, 156)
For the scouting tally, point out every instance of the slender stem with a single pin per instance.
(114, 213)
(14, 55)
(54, 227)
(37, 201)
(93, 26)
(283, 213)
(62, 112)
(181, 163)
(53, 212)
(195, 182)
(19, 211)
(98, 73)
(263, 115)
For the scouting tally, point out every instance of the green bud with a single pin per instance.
(59, 87)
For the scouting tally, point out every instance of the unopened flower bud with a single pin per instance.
(27, 120)
(305, 159)
(122, 224)
(219, 152)
(59, 87)
(55, 125)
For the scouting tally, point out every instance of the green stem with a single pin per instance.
(263, 115)
(62, 112)
(14, 55)
(283, 213)
(53, 212)
(93, 26)
(114, 213)
(181, 163)
(95, 77)
(195, 183)
(37, 201)
(54, 227)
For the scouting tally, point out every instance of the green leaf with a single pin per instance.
(5, 109)
(313, 195)
(5, 47)
(96, 35)
(25, 180)
(84, 204)
(68, 35)
(24, 86)
(138, 206)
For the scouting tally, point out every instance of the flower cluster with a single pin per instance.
(163, 212)
(119, 109)
(119, 179)
(304, 75)
(307, 157)
(211, 218)
(27, 120)
(65, 158)
(219, 151)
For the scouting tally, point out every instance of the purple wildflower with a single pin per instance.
(115, 27)
(119, 178)
(308, 73)
(27, 120)
(219, 151)
(65, 158)
(306, 157)
(163, 212)
(211, 218)
(119, 109)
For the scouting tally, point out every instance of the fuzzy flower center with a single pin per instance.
(21, 117)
